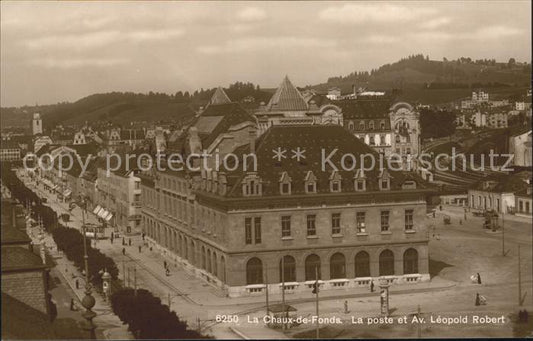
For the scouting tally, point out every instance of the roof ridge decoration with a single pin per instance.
(287, 98)
(219, 97)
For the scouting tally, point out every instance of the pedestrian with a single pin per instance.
(142, 235)
(346, 307)
(440, 207)
(124, 251)
(139, 249)
(433, 214)
(111, 239)
(165, 264)
(477, 300)
(129, 241)
(123, 241)
(478, 278)
(77, 284)
(71, 304)
(371, 286)
(167, 272)
(460, 222)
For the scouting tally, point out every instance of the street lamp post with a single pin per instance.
(88, 301)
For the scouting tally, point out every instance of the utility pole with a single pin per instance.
(503, 233)
(169, 301)
(419, 331)
(135, 280)
(124, 272)
(519, 279)
(316, 292)
(266, 291)
(283, 292)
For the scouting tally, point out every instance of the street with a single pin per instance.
(457, 251)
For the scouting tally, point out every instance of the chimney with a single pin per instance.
(353, 89)
(253, 136)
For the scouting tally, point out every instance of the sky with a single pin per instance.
(62, 51)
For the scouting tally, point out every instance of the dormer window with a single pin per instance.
(371, 125)
(382, 125)
(362, 125)
(251, 185)
(285, 184)
(310, 182)
(360, 181)
(335, 182)
(350, 126)
(384, 180)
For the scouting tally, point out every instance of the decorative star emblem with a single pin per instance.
(279, 154)
(298, 154)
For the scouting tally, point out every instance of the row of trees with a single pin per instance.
(70, 241)
(148, 318)
(144, 313)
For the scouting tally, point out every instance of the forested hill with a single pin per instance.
(125, 107)
(418, 72)
(414, 79)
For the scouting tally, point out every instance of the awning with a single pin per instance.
(100, 212)
(96, 209)
(109, 216)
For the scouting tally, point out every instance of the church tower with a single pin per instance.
(36, 124)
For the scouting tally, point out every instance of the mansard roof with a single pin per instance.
(314, 140)
(365, 108)
(287, 98)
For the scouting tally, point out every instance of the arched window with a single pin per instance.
(254, 271)
(362, 264)
(312, 262)
(214, 265)
(193, 253)
(410, 261)
(386, 263)
(289, 268)
(223, 268)
(337, 266)
(208, 268)
(203, 258)
(397, 138)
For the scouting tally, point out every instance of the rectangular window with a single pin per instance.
(527, 206)
(285, 188)
(336, 223)
(360, 185)
(311, 225)
(248, 230)
(286, 226)
(137, 184)
(384, 221)
(521, 206)
(408, 219)
(335, 186)
(257, 230)
(360, 222)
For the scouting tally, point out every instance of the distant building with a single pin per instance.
(36, 124)
(497, 193)
(520, 147)
(334, 94)
(41, 141)
(10, 151)
(289, 107)
(524, 200)
(497, 120)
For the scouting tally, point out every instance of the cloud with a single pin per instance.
(262, 43)
(99, 39)
(77, 63)
(251, 14)
(356, 13)
(435, 23)
(495, 32)
(380, 39)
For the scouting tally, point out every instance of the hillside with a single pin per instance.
(415, 79)
(419, 79)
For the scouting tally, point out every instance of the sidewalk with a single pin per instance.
(108, 325)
